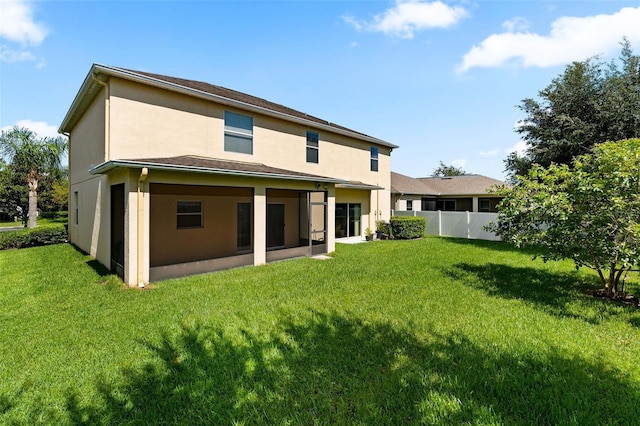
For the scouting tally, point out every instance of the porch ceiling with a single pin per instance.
(196, 164)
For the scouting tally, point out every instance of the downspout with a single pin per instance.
(143, 176)
(107, 116)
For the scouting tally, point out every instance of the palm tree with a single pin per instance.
(31, 158)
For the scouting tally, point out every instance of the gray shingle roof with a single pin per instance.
(454, 185)
(192, 163)
(401, 184)
(461, 185)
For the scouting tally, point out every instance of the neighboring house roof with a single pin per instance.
(401, 184)
(450, 185)
(99, 73)
(461, 185)
(192, 163)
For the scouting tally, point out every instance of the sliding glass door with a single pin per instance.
(348, 220)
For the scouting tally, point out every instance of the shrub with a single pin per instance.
(383, 229)
(407, 227)
(40, 236)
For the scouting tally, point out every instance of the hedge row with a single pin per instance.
(407, 227)
(40, 236)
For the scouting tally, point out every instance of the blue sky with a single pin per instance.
(441, 79)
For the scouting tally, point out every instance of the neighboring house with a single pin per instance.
(170, 177)
(452, 193)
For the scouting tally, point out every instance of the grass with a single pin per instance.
(435, 331)
(10, 224)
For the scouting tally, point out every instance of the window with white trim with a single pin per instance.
(374, 158)
(238, 133)
(189, 214)
(312, 147)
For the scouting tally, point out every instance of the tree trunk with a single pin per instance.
(33, 208)
(612, 284)
(33, 199)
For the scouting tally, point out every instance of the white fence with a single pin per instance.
(456, 224)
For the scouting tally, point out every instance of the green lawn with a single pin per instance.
(10, 224)
(435, 331)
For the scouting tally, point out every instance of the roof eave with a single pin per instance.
(358, 186)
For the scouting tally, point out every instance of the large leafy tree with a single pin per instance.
(589, 212)
(443, 170)
(29, 160)
(590, 103)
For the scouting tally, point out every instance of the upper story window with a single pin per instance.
(312, 147)
(374, 158)
(238, 133)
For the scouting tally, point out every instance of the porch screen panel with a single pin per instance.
(244, 227)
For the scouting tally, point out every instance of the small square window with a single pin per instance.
(189, 214)
(484, 205)
(374, 158)
(312, 147)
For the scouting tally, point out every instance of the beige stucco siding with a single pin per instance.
(89, 234)
(146, 122)
(150, 122)
(86, 144)
(89, 194)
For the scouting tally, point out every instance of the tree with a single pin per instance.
(444, 170)
(29, 159)
(589, 213)
(590, 103)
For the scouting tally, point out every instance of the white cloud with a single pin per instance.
(490, 153)
(41, 128)
(407, 17)
(570, 39)
(8, 55)
(516, 24)
(18, 27)
(518, 148)
(17, 24)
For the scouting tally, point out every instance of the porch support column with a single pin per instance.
(474, 204)
(331, 219)
(259, 225)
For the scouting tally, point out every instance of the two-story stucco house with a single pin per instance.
(170, 177)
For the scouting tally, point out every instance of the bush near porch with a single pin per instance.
(407, 227)
(429, 331)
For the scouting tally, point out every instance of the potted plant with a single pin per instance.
(382, 230)
(368, 234)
